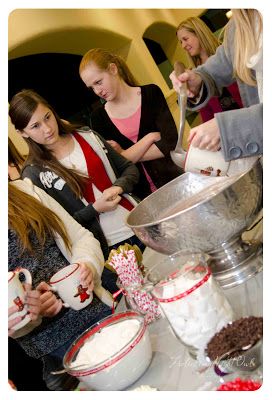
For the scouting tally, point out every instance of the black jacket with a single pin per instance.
(155, 117)
(127, 175)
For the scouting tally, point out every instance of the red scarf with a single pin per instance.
(97, 173)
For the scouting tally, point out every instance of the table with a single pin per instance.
(171, 367)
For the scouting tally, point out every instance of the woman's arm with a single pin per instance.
(125, 170)
(144, 149)
(88, 213)
(85, 247)
(241, 132)
(33, 303)
(238, 132)
(154, 107)
(82, 215)
(156, 144)
(153, 153)
(157, 111)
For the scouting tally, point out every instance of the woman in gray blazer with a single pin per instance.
(238, 132)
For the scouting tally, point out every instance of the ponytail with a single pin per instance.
(103, 58)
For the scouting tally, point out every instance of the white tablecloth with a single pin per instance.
(172, 368)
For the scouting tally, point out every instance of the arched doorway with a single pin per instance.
(55, 77)
(48, 64)
(159, 38)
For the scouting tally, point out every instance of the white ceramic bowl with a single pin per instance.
(124, 367)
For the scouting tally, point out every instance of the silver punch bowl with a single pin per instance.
(209, 214)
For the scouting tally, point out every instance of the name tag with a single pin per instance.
(59, 184)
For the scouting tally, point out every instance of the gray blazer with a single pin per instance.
(241, 130)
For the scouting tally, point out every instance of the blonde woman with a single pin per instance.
(200, 43)
(238, 132)
(134, 119)
(43, 238)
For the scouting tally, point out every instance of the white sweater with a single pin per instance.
(85, 248)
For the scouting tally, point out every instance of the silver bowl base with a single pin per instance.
(235, 262)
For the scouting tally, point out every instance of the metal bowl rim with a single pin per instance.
(159, 221)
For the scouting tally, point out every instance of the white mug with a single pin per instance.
(206, 162)
(66, 282)
(16, 293)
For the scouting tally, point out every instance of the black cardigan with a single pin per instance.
(155, 117)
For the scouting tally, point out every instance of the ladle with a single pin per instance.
(178, 155)
(64, 370)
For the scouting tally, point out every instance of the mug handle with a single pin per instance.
(54, 289)
(26, 273)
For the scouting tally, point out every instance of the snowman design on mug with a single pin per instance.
(209, 171)
(19, 303)
(82, 293)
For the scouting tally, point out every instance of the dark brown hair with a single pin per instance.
(22, 107)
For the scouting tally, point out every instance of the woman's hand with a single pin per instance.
(206, 136)
(153, 136)
(192, 79)
(109, 199)
(33, 304)
(112, 192)
(116, 146)
(86, 276)
(144, 149)
(50, 305)
(14, 321)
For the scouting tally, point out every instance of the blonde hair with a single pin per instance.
(207, 40)
(27, 215)
(246, 21)
(103, 58)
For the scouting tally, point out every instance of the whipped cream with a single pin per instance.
(106, 343)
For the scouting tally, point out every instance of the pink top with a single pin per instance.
(129, 127)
